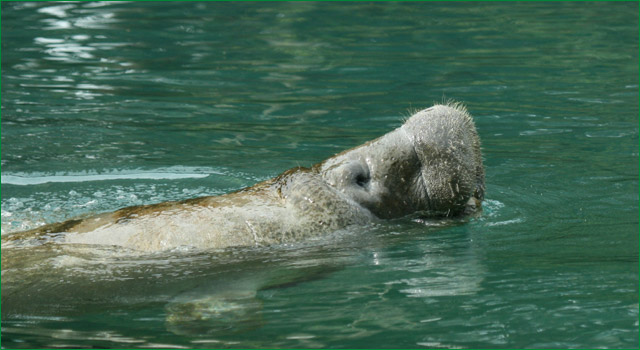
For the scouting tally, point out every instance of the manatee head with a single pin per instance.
(432, 164)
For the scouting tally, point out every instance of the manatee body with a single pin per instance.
(432, 164)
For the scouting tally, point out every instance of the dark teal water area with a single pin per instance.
(106, 105)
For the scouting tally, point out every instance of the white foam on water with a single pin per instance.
(156, 174)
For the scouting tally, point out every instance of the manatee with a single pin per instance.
(430, 166)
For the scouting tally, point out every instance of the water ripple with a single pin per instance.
(149, 175)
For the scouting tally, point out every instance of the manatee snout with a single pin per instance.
(448, 146)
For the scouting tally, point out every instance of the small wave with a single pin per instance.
(490, 207)
(30, 179)
(544, 132)
(506, 222)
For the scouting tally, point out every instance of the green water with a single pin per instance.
(106, 105)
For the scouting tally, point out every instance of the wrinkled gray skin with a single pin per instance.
(432, 164)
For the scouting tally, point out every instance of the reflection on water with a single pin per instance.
(111, 104)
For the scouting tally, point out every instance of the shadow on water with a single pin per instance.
(186, 295)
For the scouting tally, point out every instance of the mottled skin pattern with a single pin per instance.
(432, 164)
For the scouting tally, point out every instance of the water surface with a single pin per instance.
(106, 105)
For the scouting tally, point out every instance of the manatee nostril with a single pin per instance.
(362, 180)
